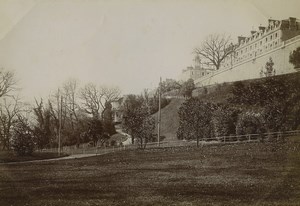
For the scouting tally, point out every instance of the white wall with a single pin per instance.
(250, 69)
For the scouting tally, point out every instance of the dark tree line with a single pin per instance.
(267, 105)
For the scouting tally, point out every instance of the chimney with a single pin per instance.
(262, 28)
(240, 39)
(292, 23)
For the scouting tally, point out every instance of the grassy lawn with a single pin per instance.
(6, 156)
(239, 174)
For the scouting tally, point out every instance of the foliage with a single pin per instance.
(137, 119)
(10, 108)
(107, 118)
(195, 120)
(95, 131)
(276, 99)
(250, 122)
(23, 138)
(294, 58)
(224, 120)
(187, 88)
(146, 130)
(42, 129)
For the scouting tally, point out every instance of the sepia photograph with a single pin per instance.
(149, 102)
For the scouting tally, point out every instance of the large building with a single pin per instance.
(275, 41)
(199, 70)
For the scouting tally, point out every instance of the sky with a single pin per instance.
(124, 43)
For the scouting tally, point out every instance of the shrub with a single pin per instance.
(250, 122)
(23, 141)
(224, 120)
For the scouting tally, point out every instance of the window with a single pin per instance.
(271, 37)
(266, 39)
(276, 35)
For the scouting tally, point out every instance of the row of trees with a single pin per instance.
(267, 105)
(79, 114)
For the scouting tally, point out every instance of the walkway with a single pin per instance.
(74, 156)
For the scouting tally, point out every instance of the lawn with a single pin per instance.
(237, 174)
(9, 156)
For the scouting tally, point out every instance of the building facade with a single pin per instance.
(197, 71)
(275, 42)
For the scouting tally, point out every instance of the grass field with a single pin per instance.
(8, 156)
(237, 174)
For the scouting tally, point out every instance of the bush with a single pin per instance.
(23, 141)
(250, 123)
(224, 120)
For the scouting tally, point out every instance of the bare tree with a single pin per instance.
(7, 82)
(9, 110)
(95, 99)
(215, 49)
(92, 99)
(71, 101)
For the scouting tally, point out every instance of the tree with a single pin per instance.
(195, 120)
(294, 58)
(146, 130)
(22, 138)
(107, 119)
(9, 110)
(43, 127)
(187, 88)
(7, 82)
(95, 130)
(94, 98)
(215, 49)
(138, 121)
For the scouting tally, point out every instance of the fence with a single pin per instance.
(274, 136)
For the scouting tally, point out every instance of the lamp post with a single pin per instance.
(159, 112)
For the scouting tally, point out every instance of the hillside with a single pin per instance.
(169, 119)
(216, 93)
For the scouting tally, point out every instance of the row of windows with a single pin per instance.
(254, 46)
(252, 54)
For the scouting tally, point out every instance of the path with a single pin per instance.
(74, 156)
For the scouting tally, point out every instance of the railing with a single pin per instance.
(233, 139)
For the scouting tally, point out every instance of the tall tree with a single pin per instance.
(215, 49)
(43, 127)
(137, 118)
(9, 110)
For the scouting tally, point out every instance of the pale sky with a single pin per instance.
(125, 43)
